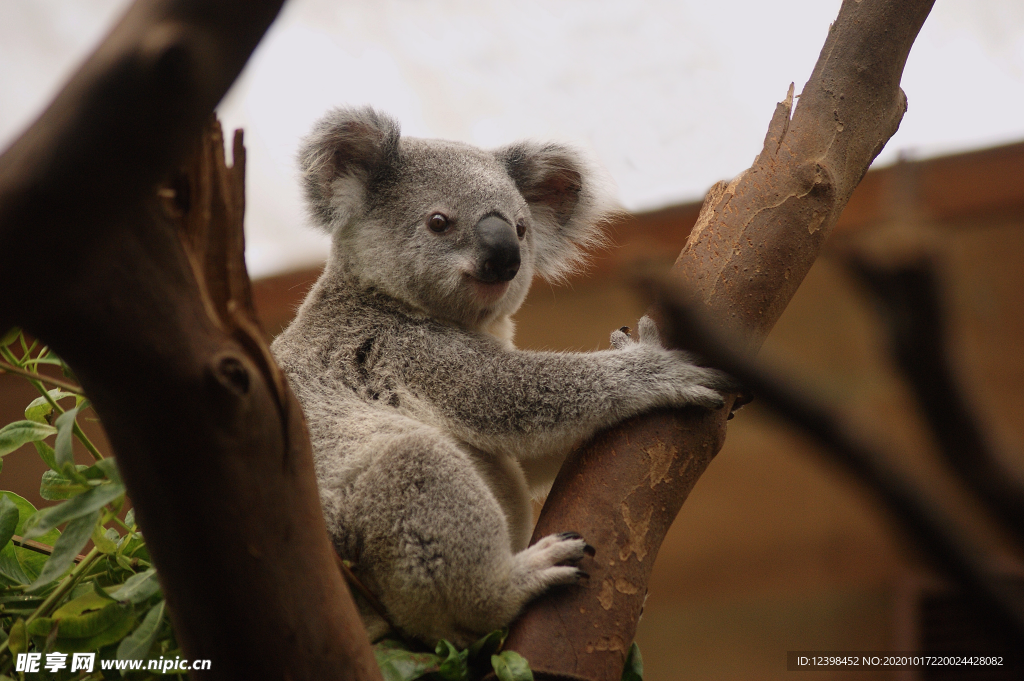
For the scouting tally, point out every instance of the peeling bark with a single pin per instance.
(754, 242)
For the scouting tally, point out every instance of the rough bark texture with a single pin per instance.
(147, 297)
(755, 241)
(760, 235)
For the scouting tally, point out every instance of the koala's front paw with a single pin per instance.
(693, 384)
(647, 334)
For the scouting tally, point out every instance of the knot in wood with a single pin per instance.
(232, 374)
(815, 179)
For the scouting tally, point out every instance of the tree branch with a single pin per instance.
(211, 443)
(752, 246)
(908, 297)
(924, 523)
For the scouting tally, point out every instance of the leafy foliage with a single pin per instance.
(52, 599)
(406, 661)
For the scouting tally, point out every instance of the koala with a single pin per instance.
(431, 432)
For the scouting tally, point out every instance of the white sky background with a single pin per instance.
(669, 95)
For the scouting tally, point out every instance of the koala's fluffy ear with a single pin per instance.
(568, 200)
(348, 150)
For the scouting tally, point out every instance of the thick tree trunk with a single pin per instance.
(753, 244)
(148, 300)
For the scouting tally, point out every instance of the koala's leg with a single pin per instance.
(433, 541)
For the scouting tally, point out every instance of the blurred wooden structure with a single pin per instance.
(773, 552)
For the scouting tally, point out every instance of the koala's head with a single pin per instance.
(452, 230)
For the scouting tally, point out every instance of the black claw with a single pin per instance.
(582, 575)
(570, 535)
(590, 550)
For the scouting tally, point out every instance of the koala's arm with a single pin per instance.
(534, 404)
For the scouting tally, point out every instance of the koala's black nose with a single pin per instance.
(499, 250)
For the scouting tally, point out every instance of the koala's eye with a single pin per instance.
(438, 223)
(520, 229)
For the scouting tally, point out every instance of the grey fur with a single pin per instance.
(429, 429)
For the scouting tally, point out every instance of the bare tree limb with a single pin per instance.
(924, 523)
(908, 296)
(755, 241)
(211, 444)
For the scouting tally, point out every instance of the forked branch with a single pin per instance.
(753, 244)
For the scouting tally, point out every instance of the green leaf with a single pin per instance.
(129, 517)
(9, 337)
(41, 626)
(101, 541)
(76, 535)
(45, 452)
(133, 546)
(25, 511)
(82, 618)
(108, 467)
(11, 566)
(31, 561)
(55, 487)
(90, 599)
(9, 517)
(511, 666)
(17, 564)
(14, 435)
(67, 482)
(39, 408)
(100, 590)
(488, 645)
(17, 639)
(83, 504)
(138, 588)
(44, 360)
(123, 622)
(137, 645)
(398, 664)
(453, 665)
(65, 434)
(634, 669)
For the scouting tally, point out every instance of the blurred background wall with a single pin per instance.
(669, 95)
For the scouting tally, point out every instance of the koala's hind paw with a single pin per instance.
(551, 561)
(554, 549)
